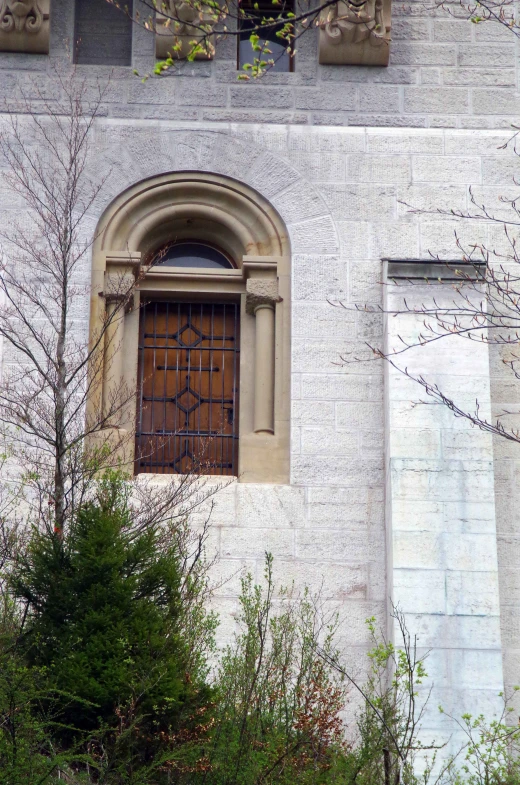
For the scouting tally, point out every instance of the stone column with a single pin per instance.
(264, 369)
(120, 277)
(113, 360)
(441, 507)
(261, 298)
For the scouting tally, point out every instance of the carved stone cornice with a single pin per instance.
(355, 33)
(24, 26)
(179, 27)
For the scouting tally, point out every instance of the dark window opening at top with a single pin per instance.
(255, 16)
(192, 254)
(103, 34)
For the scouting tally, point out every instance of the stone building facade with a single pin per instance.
(372, 496)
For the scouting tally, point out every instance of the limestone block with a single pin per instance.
(417, 515)
(378, 168)
(417, 551)
(429, 197)
(340, 545)
(355, 239)
(226, 575)
(474, 445)
(320, 355)
(359, 415)
(422, 54)
(298, 203)
(493, 77)
(353, 517)
(356, 631)
(452, 169)
(329, 441)
(253, 97)
(333, 581)
(330, 97)
(322, 166)
(456, 632)
(379, 98)
(413, 443)
(367, 200)
(476, 517)
(315, 236)
(443, 480)
(436, 99)
(279, 506)
(396, 140)
(395, 240)
(271, 175)
(347, 387)
(476, 668)
(318, 277)
(420, 591)
(344, 497)
(24, 26)
(486, 55)
(481, 143)
(355, 36)
(240, 542)
(472, 593)
(305, 412)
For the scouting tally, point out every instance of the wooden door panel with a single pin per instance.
(188, 388)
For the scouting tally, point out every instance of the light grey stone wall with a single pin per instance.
(444, 72)
(342, 195)
(441, 510)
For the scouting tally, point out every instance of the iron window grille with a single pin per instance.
(187, 413)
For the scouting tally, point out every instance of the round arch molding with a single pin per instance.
(231, 215)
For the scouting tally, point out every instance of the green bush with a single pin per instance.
(104, 622)
(104, 676)
(278, 711)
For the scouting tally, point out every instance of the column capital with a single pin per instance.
(261, 293)
(261, 276)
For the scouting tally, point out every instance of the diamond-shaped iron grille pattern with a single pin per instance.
(187, 414)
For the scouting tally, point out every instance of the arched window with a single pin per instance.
(191, 254)
(206, 342)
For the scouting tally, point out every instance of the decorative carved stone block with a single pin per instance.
(355, 33)
(24, 26)
(175, 38)
(261, 291)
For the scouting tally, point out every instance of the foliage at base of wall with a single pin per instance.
(105, 675)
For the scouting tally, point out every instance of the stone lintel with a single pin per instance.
(433, 269)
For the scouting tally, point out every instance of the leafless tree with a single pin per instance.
(52, 367)
(476, 299)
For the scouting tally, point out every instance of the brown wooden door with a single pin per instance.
(187, 411)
